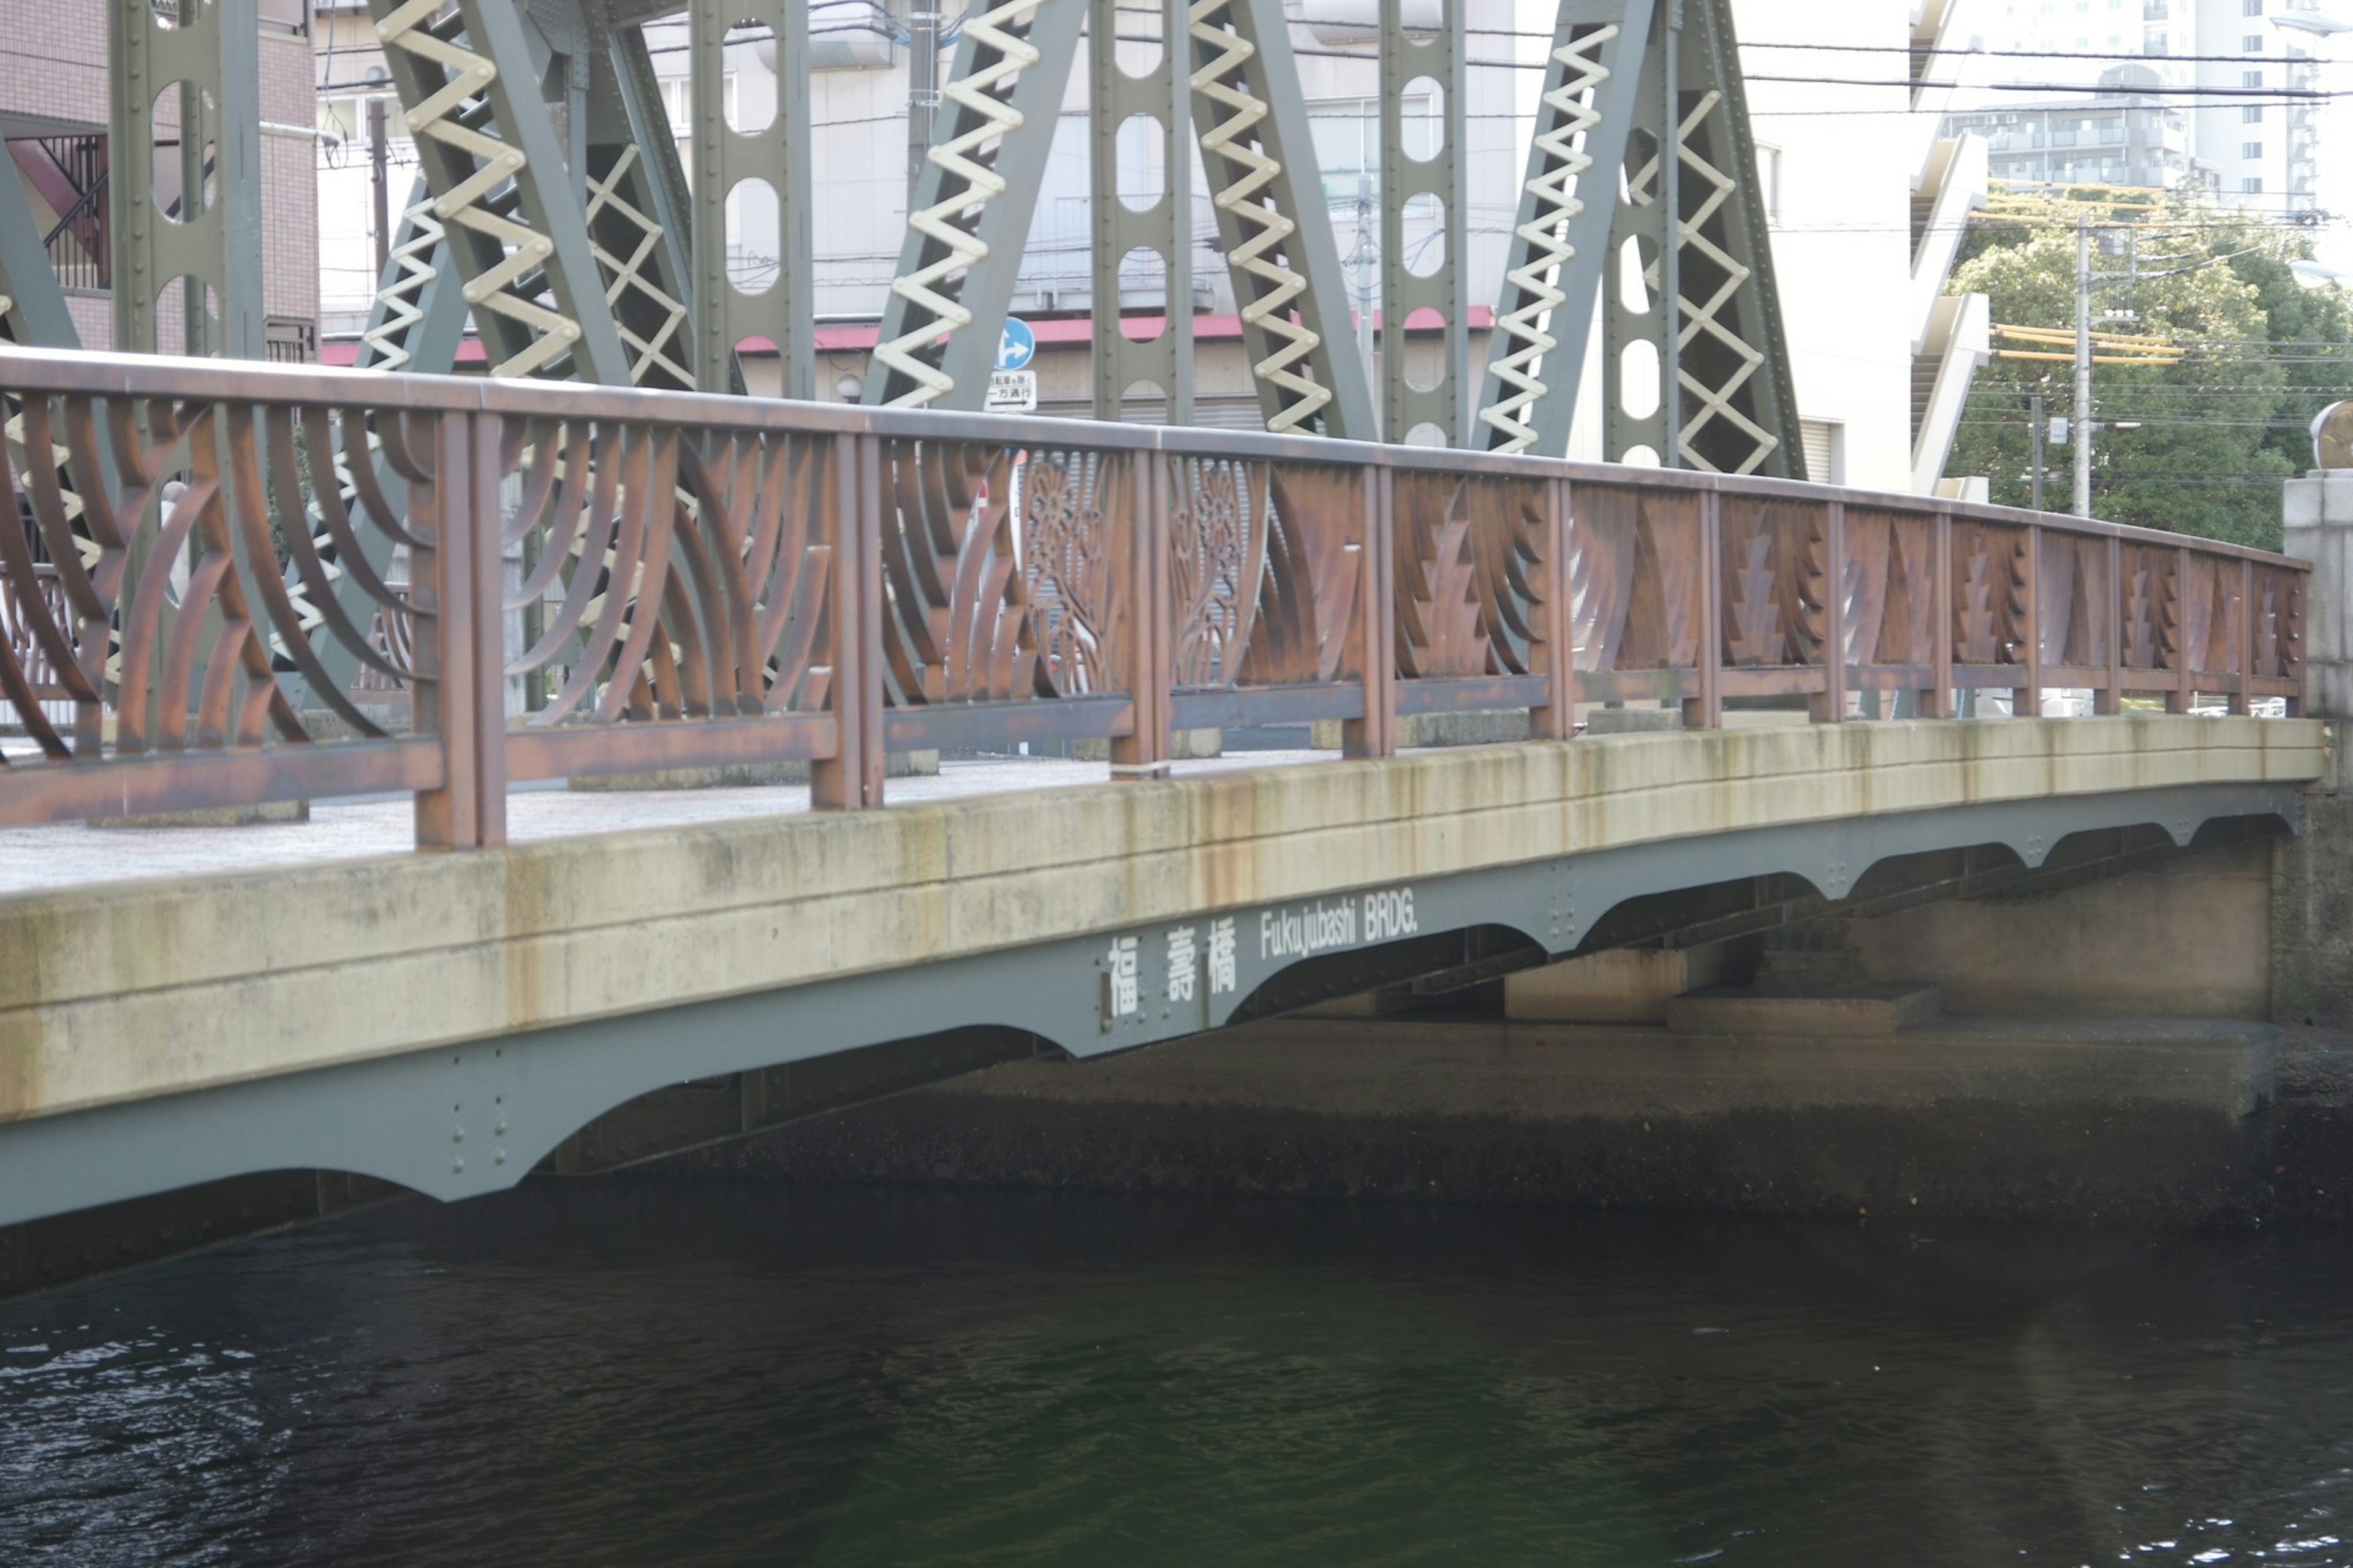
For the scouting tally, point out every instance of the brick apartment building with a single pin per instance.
(54, 117)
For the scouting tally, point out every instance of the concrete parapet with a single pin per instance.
(120, 993)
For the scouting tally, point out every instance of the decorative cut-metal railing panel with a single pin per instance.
(593, 581)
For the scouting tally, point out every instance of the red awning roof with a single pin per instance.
(853, 337)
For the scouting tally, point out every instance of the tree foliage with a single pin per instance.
(2219, 431)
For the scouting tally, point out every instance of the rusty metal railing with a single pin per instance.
(666, 581)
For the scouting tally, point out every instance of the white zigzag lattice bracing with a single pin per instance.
(1537, 284)
(945, 315)
(625, 275)
(384, 346)
(1229, 140)
(1714, 403)
(441, 117)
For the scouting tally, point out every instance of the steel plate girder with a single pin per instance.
(215, 53)
(778, 155)
(1165, 229)
(473, 1118)
(1442, 56)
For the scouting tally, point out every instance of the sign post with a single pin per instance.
(1013, 386)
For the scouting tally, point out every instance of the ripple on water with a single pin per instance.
(649, 1372)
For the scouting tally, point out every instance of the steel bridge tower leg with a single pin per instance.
(1161, 100)
(1558, 261)
(973, 206)
(1712, 311)
(33, 312)
(193, 84)
(784, 311)
(1441, 178)
(516, 225)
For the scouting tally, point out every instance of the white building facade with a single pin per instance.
(2250, 138)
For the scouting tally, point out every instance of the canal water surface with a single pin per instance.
(671, 1372)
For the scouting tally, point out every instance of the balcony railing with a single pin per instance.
(709, 581)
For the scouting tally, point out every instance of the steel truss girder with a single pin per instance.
(784, 312)
(517, 227)
(1713, 307)
(1272, 222)
(1165, 229)
(213, 52)
(1442, 57)
(33, 312)
(1559, 257)
(972, 206)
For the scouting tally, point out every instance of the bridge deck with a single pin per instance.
(335, 1013)
(68, 855)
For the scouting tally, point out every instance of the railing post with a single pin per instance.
(2183, 696)
(485, 522)
(1374, 735)
(2109, 699)
(853, 776)
(1937, 701)
(449, 656)
(1830, 707)
(2026, 697)
(1705, 711)
(2244, 656)
(1145, 753)
(1557, 720)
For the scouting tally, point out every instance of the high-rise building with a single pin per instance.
(2232, 70)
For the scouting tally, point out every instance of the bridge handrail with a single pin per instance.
(824, 582)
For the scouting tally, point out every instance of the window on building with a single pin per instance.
(1348, 132)
(2250, 78)
(2253, 185)
(2252, 8)
(2251, 44)
(2111, 131)
(2252, 114)
(2250, 149)
(348, 118)
(1768, 176)
(678, 103)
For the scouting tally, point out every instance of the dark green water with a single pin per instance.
(651, 1372)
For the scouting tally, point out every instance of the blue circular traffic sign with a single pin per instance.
(1014, 344)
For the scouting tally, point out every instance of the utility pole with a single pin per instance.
(1365, 291)
(2038, 431)
(922, 87)
(2080, 431)
(383, 191)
